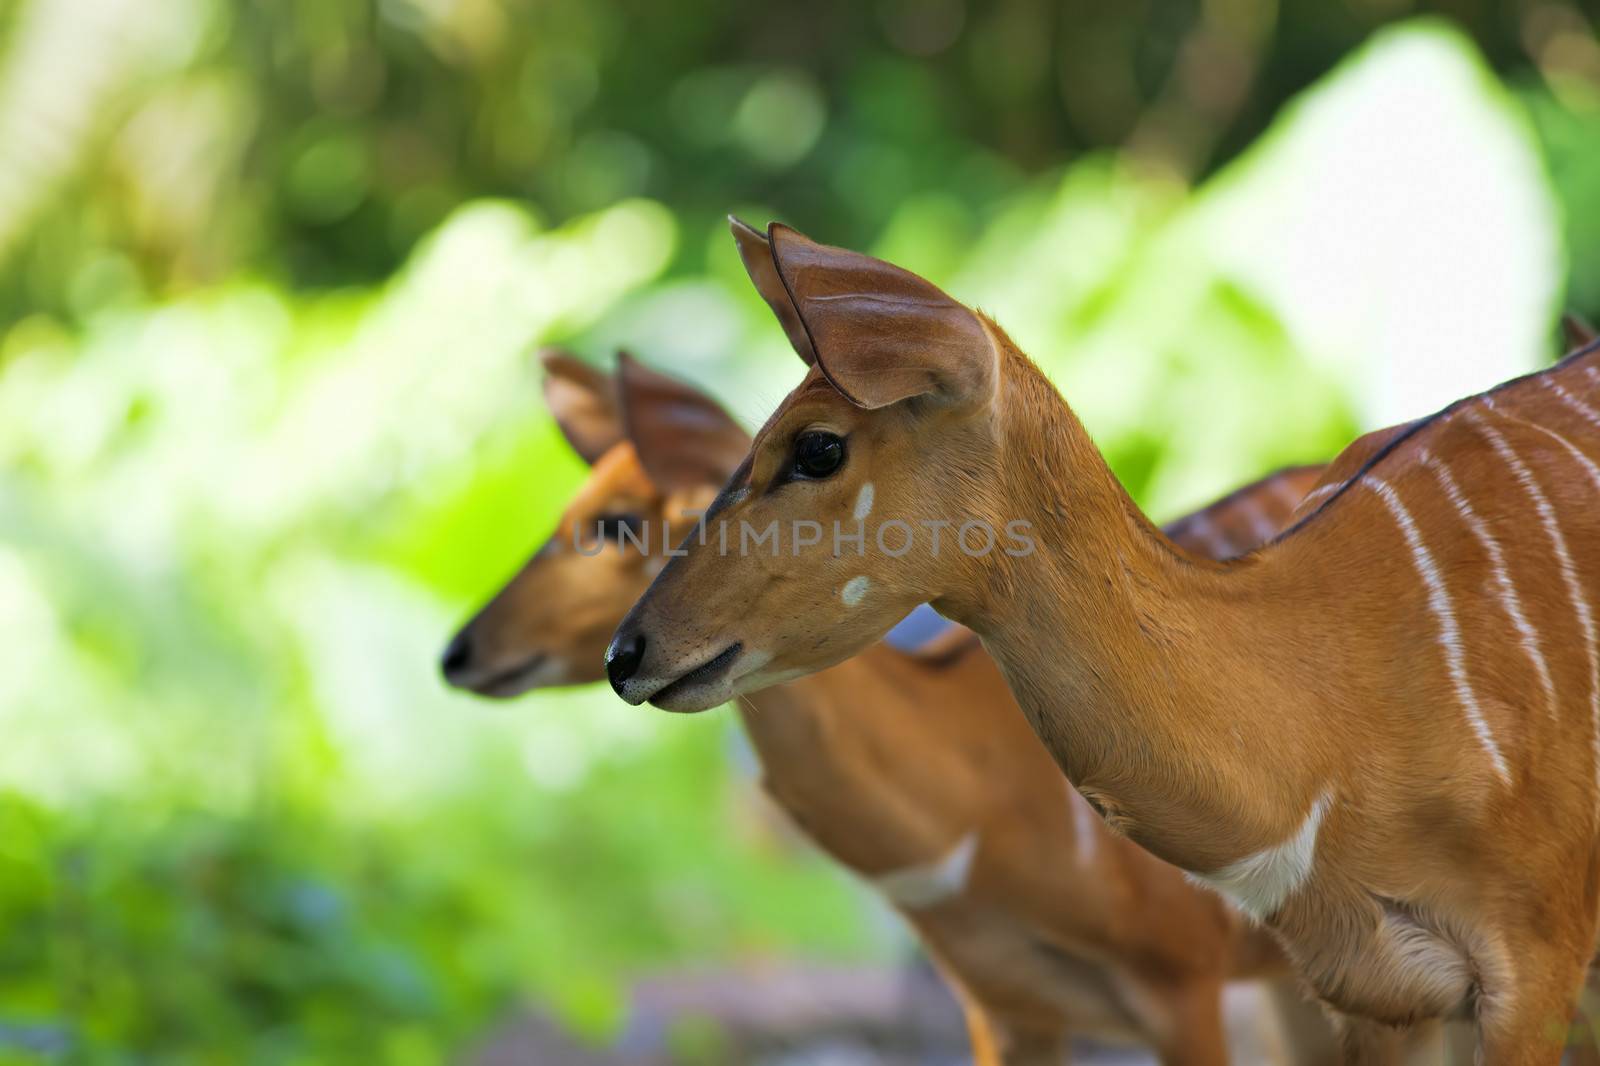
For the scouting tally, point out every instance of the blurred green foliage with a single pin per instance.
(268, 426)
(316, 141)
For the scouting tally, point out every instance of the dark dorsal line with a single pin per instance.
(1413, 428)
(1175, 527)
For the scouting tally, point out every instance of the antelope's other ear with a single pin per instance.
(882, 334)
(757, 256)
(683, 438)
(583, 401)
(1579, 333)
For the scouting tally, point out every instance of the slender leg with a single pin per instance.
(1034, 1049)
(1306, 1028)
(1583, 1043)
(1197, 1032)
(1369, 1043)
(1428, 1044)
(1027, 1043)
(980, 1033)
(1527, 1025)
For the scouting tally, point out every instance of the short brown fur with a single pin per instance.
(1215, 711)
(889, 760)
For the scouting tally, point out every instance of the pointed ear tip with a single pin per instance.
(782, 236)
(560, 364)
(633, 372)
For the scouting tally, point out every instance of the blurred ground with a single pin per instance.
(816, 1016)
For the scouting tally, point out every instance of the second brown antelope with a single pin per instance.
(1380, 733)
(916, 771)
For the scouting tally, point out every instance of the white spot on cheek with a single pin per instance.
(864, 502)
(854, 591)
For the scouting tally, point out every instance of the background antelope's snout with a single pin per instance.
(488, 658)
(457, 657)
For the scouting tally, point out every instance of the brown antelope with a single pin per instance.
(1380, 733)
(915, 771)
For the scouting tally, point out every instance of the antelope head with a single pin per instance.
(659, 449)
(852, 505)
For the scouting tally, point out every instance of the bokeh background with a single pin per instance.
(271, 274)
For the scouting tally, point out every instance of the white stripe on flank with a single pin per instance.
(1285, 492)
(1502, 577)
(1569, 573)
(1583, 460)
(933, 882)
(1259, 884)
(1573, 402)
(1593, 375)
(1444, 613)
(1260, 525)
(1205, 533)
(1576, 589)
(1314, 495)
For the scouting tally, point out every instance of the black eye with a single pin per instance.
(818, 454)
(610, 526)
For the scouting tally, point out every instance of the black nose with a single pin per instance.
(623, 660)
(456, 656)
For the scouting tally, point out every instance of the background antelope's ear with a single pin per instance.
(683, 438)
(757, 256)
(882, 334)
(583, 401)
(1579, 334)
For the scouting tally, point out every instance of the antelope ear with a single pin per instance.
(757, 256)
(582, 399)
(683, 438)
(1579, 333)
(882, 334)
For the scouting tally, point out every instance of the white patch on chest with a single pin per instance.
(1259, 884)
(864, 502)
(854, 591)
(933, 882)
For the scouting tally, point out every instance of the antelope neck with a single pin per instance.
(1151, 676)
(833, 752)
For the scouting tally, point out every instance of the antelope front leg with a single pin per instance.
(980, 1035)
(1369, 1043)
(999, 1041)
(1527, 1024)
(1584, 1041)
(1305, 1026)
(1035, 1049)
(1027, 1044)
(1197, 1033)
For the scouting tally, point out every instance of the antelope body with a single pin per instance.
(1380, 733)
(917, 772)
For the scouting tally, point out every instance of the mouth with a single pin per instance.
(512, 682)
(703, 687)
